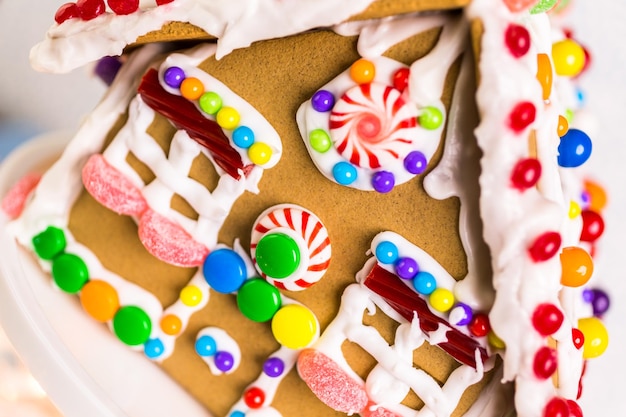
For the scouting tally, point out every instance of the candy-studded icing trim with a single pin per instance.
(362, 130)
(537, 212)
(248, 132)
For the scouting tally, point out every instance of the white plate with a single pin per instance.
(83, 368)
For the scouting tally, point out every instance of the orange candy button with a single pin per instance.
(597, 196)
(544, 74)
(171, 324)
(577, 266)
(99, 299)
(363, 71)
(562, 127)
(191, 88)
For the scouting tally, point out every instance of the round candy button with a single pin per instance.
(69, 272)
(100, 300)
(294, 326)
(153, 348)
(206, 346)
(224, 270)
(258, 300)
(596, 337)
(386, 252)
(277, 255)
(132, 325)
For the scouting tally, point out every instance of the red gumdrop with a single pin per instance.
(14, 201)
(522, 115)
(545, 246)
(111, 188)
(547, 319)
(578, 338)
(517, 39)
(160, 2)
(331, 384)
(90, 9)
(254, 397)
(123, 7)
(545, 362)
(66, 12)
(574, 409)
(169, 242)
(400, 78)
(556, 407)
(593, 226)
(372, 410)
(479, 326)
(526, 173)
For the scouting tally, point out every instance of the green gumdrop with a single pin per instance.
(69, 272)
(49, 243)
(258, 300)
(132, 325)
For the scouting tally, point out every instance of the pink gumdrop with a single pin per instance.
(14, 201)
(330, 383)
(169, 242)
(519, 5)
(111, 188)
(373, 411)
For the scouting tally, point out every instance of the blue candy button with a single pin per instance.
(224, 270)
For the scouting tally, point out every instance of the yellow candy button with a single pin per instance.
(191, 296)
(442, 299)
(228, 118)
(596, 337)
(259, 153)
(574, 210)
(569, 58)
(294, 326)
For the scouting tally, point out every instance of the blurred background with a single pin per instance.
(32, 103)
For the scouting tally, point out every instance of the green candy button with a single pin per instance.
(258, 300)
(430, 118)
(69, 272)
(132, 325)
(277, 255)
(49, 243)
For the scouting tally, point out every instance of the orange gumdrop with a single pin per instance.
(562, 127)
(100, 300)
(576, 266)
(544, 74)
(597, 195)
(171, 324)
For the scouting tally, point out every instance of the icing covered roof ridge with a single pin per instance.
(81, 36)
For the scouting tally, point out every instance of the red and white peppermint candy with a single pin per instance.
(307, 231)
(373, 126)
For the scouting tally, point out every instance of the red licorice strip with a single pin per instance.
(185, 116)
(407, 302)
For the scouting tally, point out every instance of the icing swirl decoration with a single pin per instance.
(290, 247)
(372, 125)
